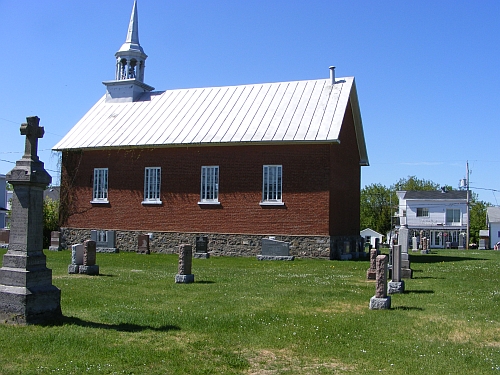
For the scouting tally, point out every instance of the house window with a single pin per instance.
(152, 183)
(272, 181)
(100, 193)
(422, 212)
(209, 184)
(452, 215)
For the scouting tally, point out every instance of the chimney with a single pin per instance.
(332, 75)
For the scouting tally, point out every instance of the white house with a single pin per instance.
(370, 236)
(493, 222)
(3, 201)
(441, 216)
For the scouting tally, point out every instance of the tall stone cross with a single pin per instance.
(32, 131)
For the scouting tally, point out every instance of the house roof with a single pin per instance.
(307, 111)
(435, 194)
(493, 214)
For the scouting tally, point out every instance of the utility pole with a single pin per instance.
(468, 205)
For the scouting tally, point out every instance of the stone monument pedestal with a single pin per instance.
(27, 295)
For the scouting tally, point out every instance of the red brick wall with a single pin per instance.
(345, 181)
(309, 172)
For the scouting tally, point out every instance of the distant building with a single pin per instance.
(441, 216)
(370, 236)
(493, 222)
(234, 164)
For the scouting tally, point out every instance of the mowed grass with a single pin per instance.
(242, 316)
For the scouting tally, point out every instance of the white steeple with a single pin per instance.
(130, 64)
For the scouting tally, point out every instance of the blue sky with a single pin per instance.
(427, 72)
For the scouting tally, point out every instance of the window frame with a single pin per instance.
(152, 185)
(454, 211)
(100, 185)
(272, 191)
(424, 212)
(209, 184)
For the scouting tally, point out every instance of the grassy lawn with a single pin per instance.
(242, 316)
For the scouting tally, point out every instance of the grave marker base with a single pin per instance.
(275, 257)
(184, 279)
(201, 255)
(377, 303)
(23, 306)
(394, 287)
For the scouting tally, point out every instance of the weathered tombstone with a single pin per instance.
(425, 246)
(414, 246)
(275, 250)
(27, 295)
(105, 240)
(55, 241)
(76, 258)
(185, 260)
(371, 273)
(396, 285)
(461, 241)
(89, 258)
(143, 244)
(381, 300)
(201, 251)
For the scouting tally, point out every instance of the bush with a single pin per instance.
(50, 219)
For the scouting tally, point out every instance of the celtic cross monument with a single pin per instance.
(27, 295)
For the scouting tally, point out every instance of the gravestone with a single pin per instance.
(76, 258)
(275, 250)
(27, 295)
(89, 258)
(185, 261)
(105, 240)
(461, 241)
(201, 251)
(371, 273)
(143, 244)
(377, 245)
(55, 241)
(381, 301)
(396, 285)
(414, 246)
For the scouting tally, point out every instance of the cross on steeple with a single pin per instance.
(32, 131)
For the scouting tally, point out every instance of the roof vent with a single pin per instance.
(332, 75)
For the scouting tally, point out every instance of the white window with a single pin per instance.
(452, 215)
(100, 193)
(209, 184)
(152, 183)
(422, 212)
(272, 184)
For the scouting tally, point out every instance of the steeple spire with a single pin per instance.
(130, 58)
(130, 65)
(132, 41)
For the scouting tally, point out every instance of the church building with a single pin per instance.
(233, 164)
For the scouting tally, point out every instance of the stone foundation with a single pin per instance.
(249, 245)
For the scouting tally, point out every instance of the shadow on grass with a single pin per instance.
(427, 277)
(429, 258)
(419, 291)
(122, 327)
(408, 308)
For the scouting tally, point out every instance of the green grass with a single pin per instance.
(242, 316)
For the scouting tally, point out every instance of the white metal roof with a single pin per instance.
(298, 111)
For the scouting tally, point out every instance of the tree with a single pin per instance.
(375, 208)
(477, 219)
(50, 219)
(412, 183)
